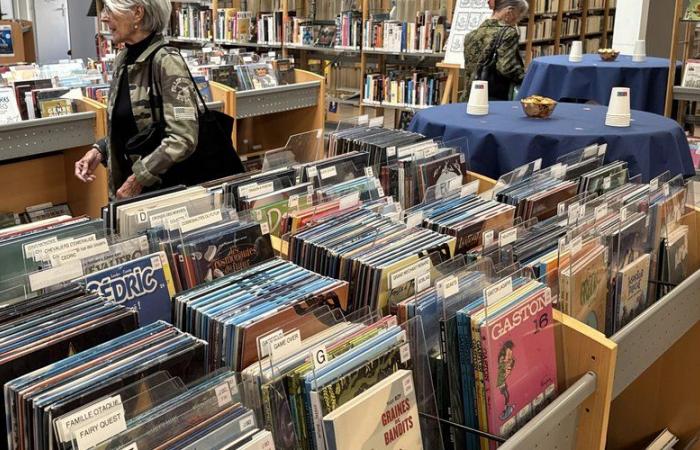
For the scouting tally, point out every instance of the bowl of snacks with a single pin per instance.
(608, 54)
(538, 107)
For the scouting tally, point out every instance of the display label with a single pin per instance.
(31, 249)
(247, 423)
(369, 172)
(607, 182)
(448, 286)
(414, 220)
(328, 172)
(576, 245)
(363, 119)
(405, 352)
(600, 211)
(288, 344)
(403, 276)
(349, 200)
(45, 253)
(422, 282)
(264, 342)
(391, 152)
(293, 201)
(498, 291)
(85, 250)
(507, 237)
(65, 425)
(407, 386)
(55, 275)
(101, 429)
(488, 238)
(319, 356)
(200, 221)
(223, 394)
(159, 219)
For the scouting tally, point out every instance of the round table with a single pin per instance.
(506, 139)
(593, 79)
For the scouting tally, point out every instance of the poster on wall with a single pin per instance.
(6, 47)
(467, 17)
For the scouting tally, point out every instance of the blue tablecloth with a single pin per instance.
(506, 138)
(593, 79)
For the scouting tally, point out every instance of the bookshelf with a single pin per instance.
(552, 25)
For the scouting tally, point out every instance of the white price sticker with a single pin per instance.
(311, 172)
(666, 189)
(265, 228)
(538, 164)
(607, 182)
(380, 191)
(654, 184)
(369, 172)
(223, 394)
(561, 209)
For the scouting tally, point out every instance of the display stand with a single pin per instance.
(37, 161)
(265, 118)
(658, 364)
(23, 49)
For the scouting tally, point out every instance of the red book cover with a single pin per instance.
(521, 362)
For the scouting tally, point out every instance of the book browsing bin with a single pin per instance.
(37, 160)
(273, 114)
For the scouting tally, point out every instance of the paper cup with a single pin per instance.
(619, 101)
(576, 54)
(479, 98)
(640, 51)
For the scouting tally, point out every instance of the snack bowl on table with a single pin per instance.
(538, 107)
(608, 54)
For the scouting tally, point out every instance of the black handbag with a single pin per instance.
(214, 156)
(486, 70)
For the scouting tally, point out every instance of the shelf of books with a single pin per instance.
(552, 24)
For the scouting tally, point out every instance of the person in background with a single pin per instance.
(139, 25)
(499, 33)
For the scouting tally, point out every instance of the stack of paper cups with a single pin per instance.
(576, 54)
(479, 99)
(640, 51)
(619, 108)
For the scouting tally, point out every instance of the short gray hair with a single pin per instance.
(156, 13)
(521, 6)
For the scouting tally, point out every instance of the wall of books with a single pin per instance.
(365, 291)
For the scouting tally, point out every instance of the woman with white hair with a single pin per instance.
(492, 51)
(137, 161)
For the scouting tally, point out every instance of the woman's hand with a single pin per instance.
(85, 166)
(130, 188)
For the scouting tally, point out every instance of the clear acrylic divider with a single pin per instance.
(125, 404)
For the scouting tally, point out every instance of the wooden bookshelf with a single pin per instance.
(593, 19)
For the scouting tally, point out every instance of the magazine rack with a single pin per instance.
(265, 118)
(37, 161)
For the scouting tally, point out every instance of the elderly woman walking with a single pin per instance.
(134, 166)
(492, 51)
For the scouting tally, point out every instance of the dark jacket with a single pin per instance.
(179, 113)
(476, 48)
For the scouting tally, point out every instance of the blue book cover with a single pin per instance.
(144, 283)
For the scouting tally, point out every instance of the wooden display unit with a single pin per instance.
(297, 108)
(48, 176)
(24, 50)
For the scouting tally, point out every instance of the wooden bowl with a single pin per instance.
(608, 54)
(538, 107)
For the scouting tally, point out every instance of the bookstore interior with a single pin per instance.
(350, 224)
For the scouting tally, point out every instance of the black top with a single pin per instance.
(123, 122)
